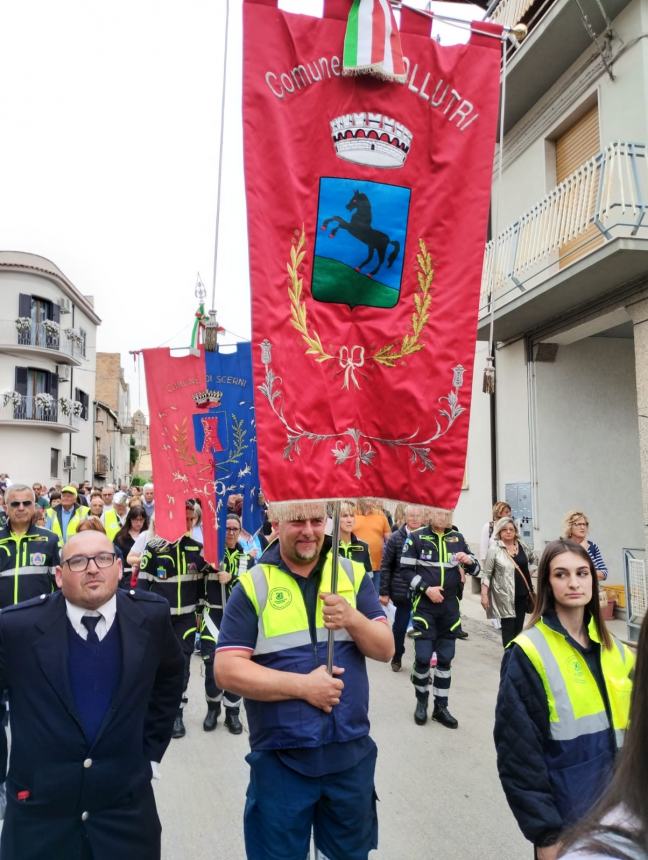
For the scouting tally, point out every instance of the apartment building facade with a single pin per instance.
(47, 372)
(113, 423)
(566, 276)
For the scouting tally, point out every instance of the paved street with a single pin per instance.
(439, 791)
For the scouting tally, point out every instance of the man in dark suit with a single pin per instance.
(95, 679)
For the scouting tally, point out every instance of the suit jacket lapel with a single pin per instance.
(134, 639)
(52, 651)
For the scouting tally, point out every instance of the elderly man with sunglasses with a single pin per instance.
(95, 678)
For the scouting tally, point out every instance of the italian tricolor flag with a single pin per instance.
(372, 42)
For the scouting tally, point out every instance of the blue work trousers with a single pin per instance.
(283, 807)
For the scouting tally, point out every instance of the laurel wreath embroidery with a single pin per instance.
(353, 445)
(389, 354)
(411, 343)
(297, 306)
(180, 437)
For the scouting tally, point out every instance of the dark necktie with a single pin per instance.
(90, 623)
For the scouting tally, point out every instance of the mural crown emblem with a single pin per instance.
(372, 139)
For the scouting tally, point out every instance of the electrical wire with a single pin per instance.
(220, 157)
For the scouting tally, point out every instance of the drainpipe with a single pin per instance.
(493, 439)
(69, 471)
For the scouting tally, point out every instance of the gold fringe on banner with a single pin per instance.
(304, 509)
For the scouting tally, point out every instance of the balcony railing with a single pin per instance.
(509, 12)
(43, 335)
(606, 198)
(35, 409)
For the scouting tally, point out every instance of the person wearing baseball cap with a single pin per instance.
(68, 515)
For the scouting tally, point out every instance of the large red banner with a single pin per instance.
(367, 215)
(181, 469)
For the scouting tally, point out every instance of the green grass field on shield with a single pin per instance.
(336, 282)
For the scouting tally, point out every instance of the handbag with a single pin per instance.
(530, 601)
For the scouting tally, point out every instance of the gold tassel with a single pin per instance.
(488, 385)
(299, 509)
(211, 333)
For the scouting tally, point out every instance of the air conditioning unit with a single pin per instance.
(63, 372)
(69, 462)
(65, 306)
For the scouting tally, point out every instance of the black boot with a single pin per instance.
(421, 712)
(232, 721)
(179, 730)
(213, 712)
(442, 715)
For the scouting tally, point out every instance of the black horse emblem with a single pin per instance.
(360, 227)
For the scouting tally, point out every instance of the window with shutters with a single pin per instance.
(44, 317)
(83, 338)
(55, 459)
(29, 383)
(575, 146)
(84, 400)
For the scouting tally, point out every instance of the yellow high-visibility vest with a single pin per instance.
(576, 706)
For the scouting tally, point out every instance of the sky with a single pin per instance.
(109, 158)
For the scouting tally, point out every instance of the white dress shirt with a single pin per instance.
(105, 613)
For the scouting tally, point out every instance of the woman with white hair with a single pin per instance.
(506, 588)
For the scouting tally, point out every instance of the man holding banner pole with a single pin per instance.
(312, 759)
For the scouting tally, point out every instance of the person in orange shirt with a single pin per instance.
(372, 526)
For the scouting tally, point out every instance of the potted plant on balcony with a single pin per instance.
(66, 405)
(74, 336)
(77, 408)
(51, 328)
(23, 324)
(12, 397)
(44, 401)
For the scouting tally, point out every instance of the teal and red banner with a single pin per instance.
(367, 219)
(203, 440)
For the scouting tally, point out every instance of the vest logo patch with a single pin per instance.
(279, 598)
(577, 671)
(38, 558)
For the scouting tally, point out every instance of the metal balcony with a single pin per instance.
(40, 339)
(588, 237)
(558, 36)
(33, 412)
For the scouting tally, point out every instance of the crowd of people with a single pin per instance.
(261, 620)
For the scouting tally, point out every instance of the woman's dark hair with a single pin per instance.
(135, 511)
(545, 602)
(628, 787)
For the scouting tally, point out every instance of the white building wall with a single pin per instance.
(25, 453)
(513, 453)
(474, 505)
(25, 450)
(588, 445)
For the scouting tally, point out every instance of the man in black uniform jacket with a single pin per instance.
(432, 562)
(95, 679)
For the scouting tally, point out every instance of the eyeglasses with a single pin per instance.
(581, 523)
(79, 563)
(234, 531)
(16, 504)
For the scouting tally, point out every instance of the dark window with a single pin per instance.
(42, 314)
(84, 400)
(55, 456)
(29, 382)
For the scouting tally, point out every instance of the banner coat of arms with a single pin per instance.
(367, 217)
